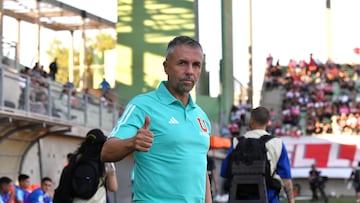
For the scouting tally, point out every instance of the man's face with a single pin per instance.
(25, 183)
(6, 187)
(46, 186)
(183, 68)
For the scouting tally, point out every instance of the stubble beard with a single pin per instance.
(184, 88)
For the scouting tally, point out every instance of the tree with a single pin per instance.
(94, 47)
(57, 50)
(103, 42)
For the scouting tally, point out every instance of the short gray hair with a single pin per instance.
(180, 40)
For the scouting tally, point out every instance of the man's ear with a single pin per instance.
(251, 123)
(165, 65)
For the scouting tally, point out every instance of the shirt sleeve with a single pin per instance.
(19, 194)
(283, 167)
(224, 164)
(130, 121)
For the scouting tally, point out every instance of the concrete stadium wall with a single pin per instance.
(47, 157)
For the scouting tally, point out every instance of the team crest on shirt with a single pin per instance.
(202, 124)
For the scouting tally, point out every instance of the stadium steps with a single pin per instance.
(272, 99)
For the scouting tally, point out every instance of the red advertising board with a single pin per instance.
(334, 155)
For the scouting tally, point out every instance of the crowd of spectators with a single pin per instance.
(238, 117)
(34, 84)
(318, 98)
(34, 80)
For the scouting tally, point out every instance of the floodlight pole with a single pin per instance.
(82, 52)
(18, 43)
(37, 27)
(250, 51)
(328, 18)
(71, 58)
(1, 29)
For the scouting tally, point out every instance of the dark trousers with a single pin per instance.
(314, 188)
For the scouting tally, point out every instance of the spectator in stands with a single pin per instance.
(24, 75)
(312, 64)
(69, 97)
(105, 86)
(318, 127)
(64, 95)
(44, 74)
(269, 61)
(107, 101)
(75, 101)
(5, 190)
(277, 129)
(243, 109)
(36, 66)
(268, 80)
(53, 68)
(352, 122)
(40, 101)
(37, 73)
(235, 116)
(327, 126)
(23, 189)
(69, 85)
(276, 73)
(42, 194)
(87, 97)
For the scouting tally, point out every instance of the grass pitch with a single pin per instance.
(350, 199)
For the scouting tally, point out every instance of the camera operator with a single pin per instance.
(317, 182)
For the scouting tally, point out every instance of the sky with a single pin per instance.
(286, 29)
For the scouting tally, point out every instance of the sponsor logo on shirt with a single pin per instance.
(173, 120)
(202, 124)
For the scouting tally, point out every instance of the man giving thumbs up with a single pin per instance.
(144, 137)
(167, 132)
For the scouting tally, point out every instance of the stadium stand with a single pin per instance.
(315, 99)
(26, 93)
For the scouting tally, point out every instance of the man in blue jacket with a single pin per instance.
(41, 195)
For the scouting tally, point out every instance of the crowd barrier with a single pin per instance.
(42, 98)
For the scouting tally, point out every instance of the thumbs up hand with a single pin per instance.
(144, 137)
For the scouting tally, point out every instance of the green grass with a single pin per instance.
(331, 200)
(347, 199)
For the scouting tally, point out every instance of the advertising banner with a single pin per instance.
(334, 155)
